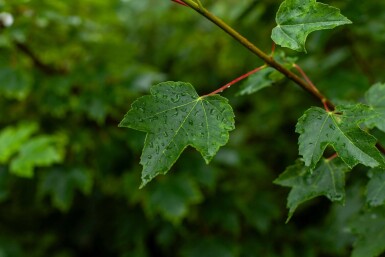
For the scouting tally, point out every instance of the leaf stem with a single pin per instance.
(303, 74)
(255, 50)
(324, 102)
(335, 155)
(269, 61)
(219, 90)
(179, 2)
(199, 3)
(310, 83)
(273, 49)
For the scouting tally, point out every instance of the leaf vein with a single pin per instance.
(177, 131)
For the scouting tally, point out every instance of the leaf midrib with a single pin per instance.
(318, 138)
(313, 23)
(207, 125)
(181, 125)
(351, 142)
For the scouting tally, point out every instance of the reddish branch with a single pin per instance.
(335, 155)
(179, 2)
(305, 84)
(303, 74)
(219, 90)
(324, 101)
(273, 49)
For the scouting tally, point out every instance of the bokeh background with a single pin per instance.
(69, 177)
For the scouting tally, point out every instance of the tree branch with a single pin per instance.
(269, 60)
(46, 68)
(219, 90)
(255, 50)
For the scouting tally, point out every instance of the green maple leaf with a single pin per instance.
(339, 129)
(375, 97)
(296, 19)
(370, 230)
(174, 116)
(375, 195)
(327, 179)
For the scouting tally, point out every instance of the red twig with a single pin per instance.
(219, 90)
(325, 105)
(273, 49)
(179, 2)
(325, 102)
(305, 76)
(335, 155)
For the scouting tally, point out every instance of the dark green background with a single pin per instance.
(72, 68)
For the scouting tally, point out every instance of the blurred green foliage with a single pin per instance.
(69, 177)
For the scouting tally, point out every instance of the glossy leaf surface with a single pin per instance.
(174, 116)
(339, 129)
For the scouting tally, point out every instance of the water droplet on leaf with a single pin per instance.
(175, 99)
